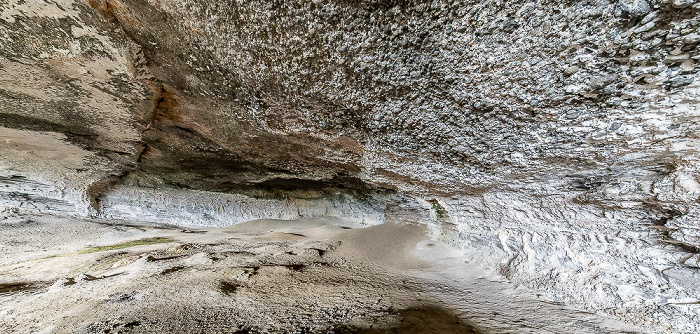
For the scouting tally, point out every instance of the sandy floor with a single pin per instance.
(60, 275)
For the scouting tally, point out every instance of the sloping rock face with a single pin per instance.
(555, 141)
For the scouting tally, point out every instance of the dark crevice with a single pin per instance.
(87, 277)
(164, 102)
(165, 107)
(321, 252)
(96, 190)
(152, 258)
(665, 231)
(294, 267)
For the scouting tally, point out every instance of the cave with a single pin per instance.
(338, 166)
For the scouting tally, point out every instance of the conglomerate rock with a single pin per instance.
(555, 141)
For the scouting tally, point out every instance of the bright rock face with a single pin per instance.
(556, 142)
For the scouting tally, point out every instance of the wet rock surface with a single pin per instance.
(554, 141)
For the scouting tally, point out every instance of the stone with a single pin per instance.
(693, 38)
(677, 58)
(633, 8)
(683, 3)
(681, 81)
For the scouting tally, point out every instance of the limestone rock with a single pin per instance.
(555, 142)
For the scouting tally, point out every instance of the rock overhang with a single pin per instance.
(444, 112)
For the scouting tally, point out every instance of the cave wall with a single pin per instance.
(554, 141)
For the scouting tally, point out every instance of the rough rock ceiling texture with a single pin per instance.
(556, 141)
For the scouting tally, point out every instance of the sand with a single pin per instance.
(69, 275)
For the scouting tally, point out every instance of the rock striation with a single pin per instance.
(556, 142)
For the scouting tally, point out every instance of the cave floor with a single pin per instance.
(60, 275)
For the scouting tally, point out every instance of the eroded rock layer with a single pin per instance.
(554, 141)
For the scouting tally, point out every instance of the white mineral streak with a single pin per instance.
(201, 209)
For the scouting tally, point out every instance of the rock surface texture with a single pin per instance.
(556, 142)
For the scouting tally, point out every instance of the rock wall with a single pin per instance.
(555, 141)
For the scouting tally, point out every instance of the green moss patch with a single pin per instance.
(140, 242)
(440, 211)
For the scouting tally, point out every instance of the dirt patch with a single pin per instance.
(171, 270)
(426, 320)
(227, 288)
(7, 288)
